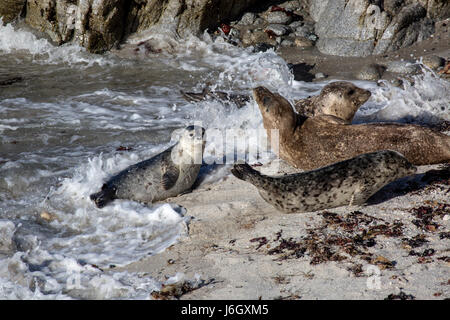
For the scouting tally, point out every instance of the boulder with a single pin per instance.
(365, 27)
(11, 9)
(100, 25)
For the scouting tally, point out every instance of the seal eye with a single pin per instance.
(351, 92)
(266, 100)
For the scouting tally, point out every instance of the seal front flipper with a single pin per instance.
(105, 195)
(170, 176)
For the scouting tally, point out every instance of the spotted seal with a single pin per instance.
(349, 182)
(313, 142)
(165, 175)
(340, 99)
(239, 100)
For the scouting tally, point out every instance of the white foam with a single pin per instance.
(14, 40)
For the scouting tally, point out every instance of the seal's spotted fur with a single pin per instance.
(347, 182)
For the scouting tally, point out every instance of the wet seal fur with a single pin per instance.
(340, 99)
(349, 182)
(313, 142)
(165, 175)
(238, 99)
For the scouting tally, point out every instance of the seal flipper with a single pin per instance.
(104, 196)
(245, 172)
(169, 177)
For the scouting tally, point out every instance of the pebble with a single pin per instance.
(433, 61)
(287, 43)
(248, 18)
(400, 66)
(278, 17)
(320, 75)
(278, 29)
(303, 42)
(371, 72)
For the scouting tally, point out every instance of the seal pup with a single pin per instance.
(238, 99)
(347, 182)
(340, 99)
(310, 143)
(165, 175)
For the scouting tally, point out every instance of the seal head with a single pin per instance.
(341, 99)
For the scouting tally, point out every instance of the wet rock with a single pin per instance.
(11, 9)
(287, 43)
(277, 29)
(370, 72)
(400, 66)
(248, 18)
(363, 27)
(319, 76)
(250, 38)
(263, 47)
(6, 234)
(433, 61)
(303, 42)
(278, 17)
(301, 72)
(100, 25)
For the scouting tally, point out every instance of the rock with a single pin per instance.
(400, 66)
(278, 29)
(291, 5)
(287, 43)
(303, 42)
(248, 18)
(263, 47)
(100, 25)
(301, 72)
(7, 229)
(365, 27)
(11, 9)
(319, 76)
(370, 72)
(296, 24)
(433, 62)
(278, 17)
(253, 38)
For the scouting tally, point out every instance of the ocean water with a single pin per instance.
(77, 118)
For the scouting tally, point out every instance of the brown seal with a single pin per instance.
(340, 99)
(309, 143)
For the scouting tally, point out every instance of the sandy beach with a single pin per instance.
(242, 248)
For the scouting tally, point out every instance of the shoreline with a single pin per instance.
(243, 248)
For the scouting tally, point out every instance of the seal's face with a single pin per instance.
(343, 99)
(192, 141)
(277, 112)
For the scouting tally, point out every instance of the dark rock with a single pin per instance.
(278, 29)
(11, 9)
(370, 72)
(301, 72)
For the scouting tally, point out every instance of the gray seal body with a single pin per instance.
(165, 175)
(347, 182)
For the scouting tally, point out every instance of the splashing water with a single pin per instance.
(62, 130)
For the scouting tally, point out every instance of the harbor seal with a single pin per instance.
(313, 142)
(165, 175)
(347, 182)
(340, 99)
(239, 100)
